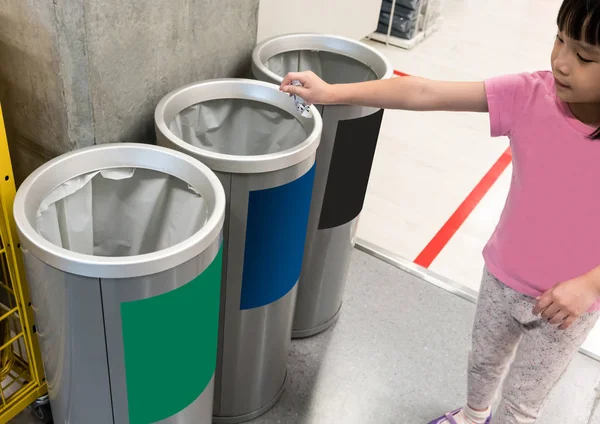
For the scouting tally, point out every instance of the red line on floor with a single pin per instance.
(400, 74)
(439, 241)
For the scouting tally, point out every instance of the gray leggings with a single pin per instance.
(505, 325)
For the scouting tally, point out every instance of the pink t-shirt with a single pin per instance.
(549, 231)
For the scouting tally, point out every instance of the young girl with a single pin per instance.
(540, 289)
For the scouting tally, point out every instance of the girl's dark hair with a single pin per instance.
(580, 20)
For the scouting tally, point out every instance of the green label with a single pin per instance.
(170, 344)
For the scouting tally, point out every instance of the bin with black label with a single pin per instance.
(344, 162)
(263, 151)
(122, 248)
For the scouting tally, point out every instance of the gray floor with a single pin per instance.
(397, 356)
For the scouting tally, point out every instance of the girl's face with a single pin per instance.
(576, 69)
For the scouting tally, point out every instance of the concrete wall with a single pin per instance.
(75, 73)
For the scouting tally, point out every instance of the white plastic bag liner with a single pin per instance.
(121, 212)
(332, 67)
(238, 127)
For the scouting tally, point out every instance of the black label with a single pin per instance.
(351, 162)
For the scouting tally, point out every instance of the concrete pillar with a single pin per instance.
(75, 73)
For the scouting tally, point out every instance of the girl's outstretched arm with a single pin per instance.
(408, 93)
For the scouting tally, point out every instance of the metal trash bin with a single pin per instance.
(122, 247)
(263, 151)
(344, 162)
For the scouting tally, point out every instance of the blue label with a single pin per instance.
(275, 236)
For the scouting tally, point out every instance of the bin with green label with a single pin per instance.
(122, 247)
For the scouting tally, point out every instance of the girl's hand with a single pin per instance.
(566, 302)
(314, 90)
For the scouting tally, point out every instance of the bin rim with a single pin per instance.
(113, 156)
(331, 43)
(245, 89)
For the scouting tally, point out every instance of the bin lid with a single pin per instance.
(62, 218)
(335, 58)
(237, 126)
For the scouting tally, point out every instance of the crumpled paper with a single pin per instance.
(302, 106)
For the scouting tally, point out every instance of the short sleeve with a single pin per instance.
(507, 96)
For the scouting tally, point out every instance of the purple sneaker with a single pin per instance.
(449, 418)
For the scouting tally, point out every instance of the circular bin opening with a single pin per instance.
(333, 68)
(337, 60)
(119, 211)
(237, 126)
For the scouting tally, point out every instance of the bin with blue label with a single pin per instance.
(344, 162)
(122, 247)
(263, 151)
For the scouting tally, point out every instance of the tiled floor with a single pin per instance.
(427, 163)
(461, 260)
(398, 356)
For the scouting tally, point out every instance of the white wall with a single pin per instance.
(351, 18)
